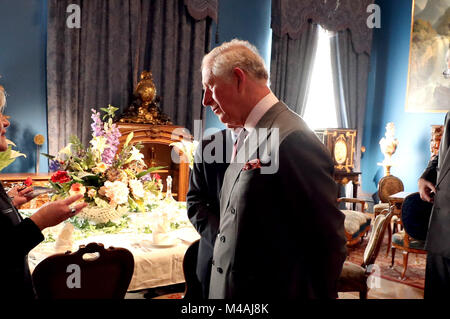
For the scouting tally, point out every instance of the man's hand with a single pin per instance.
(54, 213)
(19, 196)
(426, 190)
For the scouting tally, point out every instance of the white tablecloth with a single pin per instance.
(154, 266)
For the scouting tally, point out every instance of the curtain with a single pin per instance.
(291, 67)
(350, 50)
(350, 73)
(293, 17)
(100, 63)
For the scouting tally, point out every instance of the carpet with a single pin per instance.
(415, 273)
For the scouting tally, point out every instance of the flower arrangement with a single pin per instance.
(188, 148)
(108, 179)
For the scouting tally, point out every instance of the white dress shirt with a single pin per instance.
(259, 110)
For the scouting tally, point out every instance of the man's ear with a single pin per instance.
(240, 77)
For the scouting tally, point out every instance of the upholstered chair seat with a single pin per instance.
(398, 239)
(355, 222)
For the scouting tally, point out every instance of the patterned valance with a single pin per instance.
(291, 17)
(201, 9)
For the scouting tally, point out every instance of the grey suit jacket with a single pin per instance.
(438, 172)
(202, 199)
(280, 234)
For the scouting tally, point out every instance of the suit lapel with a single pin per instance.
(234, 170)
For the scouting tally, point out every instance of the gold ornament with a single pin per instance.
(39, 139)
(144, 108)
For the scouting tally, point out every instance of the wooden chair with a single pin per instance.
(92, 272)
(354, 277)
(357, 223)
(414, 218)
(387, 186)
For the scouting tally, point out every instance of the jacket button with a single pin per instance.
(233, 211)
(219, 270)
(222, 239)
(212, 262)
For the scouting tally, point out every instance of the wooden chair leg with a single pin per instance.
(389, 230)
(405, 263)
(393, 256)
(363, 294)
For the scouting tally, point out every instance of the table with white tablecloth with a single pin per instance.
(154, 265)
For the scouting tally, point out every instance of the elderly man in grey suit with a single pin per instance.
(434, 187)
(280, 233)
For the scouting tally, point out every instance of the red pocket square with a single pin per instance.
(253, 164)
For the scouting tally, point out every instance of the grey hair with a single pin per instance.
(235, 53)
(2, 98)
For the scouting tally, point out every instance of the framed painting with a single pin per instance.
(429, 57)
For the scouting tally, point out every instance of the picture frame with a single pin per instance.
(428, 87)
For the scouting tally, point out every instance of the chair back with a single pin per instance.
(92, 272)
(376, 238)
(388, 186)
(193, 286)
(416, 216)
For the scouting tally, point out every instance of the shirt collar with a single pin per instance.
(235, 133)
(259, 110)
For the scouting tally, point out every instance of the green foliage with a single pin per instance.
(150, 170)
(150, 207)
(9, 156)
(110, 111)
(86, 228)
(49, 239)
(48, 156)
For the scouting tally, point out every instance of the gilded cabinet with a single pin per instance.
(157, 151)
(341, 145)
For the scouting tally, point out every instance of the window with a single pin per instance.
(320, 111)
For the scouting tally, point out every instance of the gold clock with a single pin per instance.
(340, 151)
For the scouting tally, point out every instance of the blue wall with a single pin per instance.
(386, 98)
(23, 34)
(250, 22)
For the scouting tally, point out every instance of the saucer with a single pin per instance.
(166, 244)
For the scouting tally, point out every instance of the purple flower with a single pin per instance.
(146, 178)
(97, 125)
(112, 134)
(54, 165)
(108, 155)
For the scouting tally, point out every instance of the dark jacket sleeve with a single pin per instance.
(202, 208)
(17, 240)
(430, 173)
